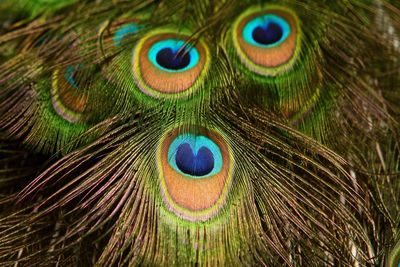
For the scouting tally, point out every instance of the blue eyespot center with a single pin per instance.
(195, 156)
(266, 31)
(172, 55)
(268, 35)
(124, 31)
(199, 164)
(172, 60)
(70, 75)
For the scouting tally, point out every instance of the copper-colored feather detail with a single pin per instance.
(190, 192)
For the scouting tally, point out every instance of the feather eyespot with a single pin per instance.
(166, 66)
(67, 99)
(267, 41)
(124, 31)
(195, 172)
(266, 31)
(195, 156)
(171, 55)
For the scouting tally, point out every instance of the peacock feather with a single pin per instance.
(199, 133)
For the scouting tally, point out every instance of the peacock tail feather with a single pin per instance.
(199, 133)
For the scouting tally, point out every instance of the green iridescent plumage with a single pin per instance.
(199, 133)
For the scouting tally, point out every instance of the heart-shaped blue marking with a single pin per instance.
(195, 156)
(267, 35)
(199, 164)
(266, 31)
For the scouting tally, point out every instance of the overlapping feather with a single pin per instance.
(316, 186)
